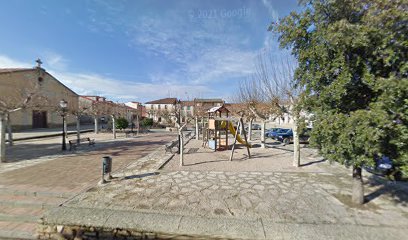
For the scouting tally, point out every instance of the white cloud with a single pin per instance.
(6, 62)
(112, 88)
(94, 84)
(271, 10)
(55, 60)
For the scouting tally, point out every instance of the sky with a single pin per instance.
(142, 50)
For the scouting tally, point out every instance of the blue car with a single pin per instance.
(287, 137)
(384, 166)
(269, 131)
(279, 132)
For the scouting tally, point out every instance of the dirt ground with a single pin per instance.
(274, 158)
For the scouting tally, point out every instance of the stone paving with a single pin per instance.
(38, 178)
(312, 204)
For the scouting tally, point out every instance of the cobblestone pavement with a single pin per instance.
(38, 178)
(285, 197)
(303, 205)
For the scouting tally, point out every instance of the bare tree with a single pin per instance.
(95, 109)
(82, 110)
(115, 110)
(271, 92)
(17, 99)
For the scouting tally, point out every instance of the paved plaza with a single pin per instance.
(263, 197)
(39, 176)
(259, 198)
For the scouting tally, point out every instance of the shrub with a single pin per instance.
(146, 122)
(121, 123)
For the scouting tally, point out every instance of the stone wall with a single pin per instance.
(93, 233)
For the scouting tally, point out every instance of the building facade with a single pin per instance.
(42, 109)
(162, 110)
(201, 106)
(187, 110)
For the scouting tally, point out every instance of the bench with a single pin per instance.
(74, 143)
(129, 134)
(169, 147)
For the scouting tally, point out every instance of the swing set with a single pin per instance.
(215, 133)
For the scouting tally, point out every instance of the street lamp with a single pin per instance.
(179, 123)
(63, 104)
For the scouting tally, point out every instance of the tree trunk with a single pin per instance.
(2, 138)
(96, 124)
(138, 124)
(9, 130)
(181, 143)
(250, 129)
(358, 188)
(296, 145)
(263, 134)
(78, 128)
(196, 128)
(113, 127)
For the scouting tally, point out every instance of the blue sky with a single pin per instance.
(141, 50)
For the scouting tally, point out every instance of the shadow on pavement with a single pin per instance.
(398, 191)
(198, 163)
(142, 175)
(313, 162)
(32, 151)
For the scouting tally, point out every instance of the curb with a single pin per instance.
(48, 135)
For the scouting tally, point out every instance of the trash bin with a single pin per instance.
(107, 164)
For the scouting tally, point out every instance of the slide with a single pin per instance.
(232, 130)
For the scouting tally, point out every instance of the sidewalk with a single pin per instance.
(40, 176)
(46, 132)
(210, 197)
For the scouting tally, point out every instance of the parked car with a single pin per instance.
(274, 135)
(269, 131)
(287, 137)
(255, 126)
(384, 166)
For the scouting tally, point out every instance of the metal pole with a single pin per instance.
(179, 138)
(181, 150)
(64, 146)
(245, 137)
(235, 140)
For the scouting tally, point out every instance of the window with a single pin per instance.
(188, 107)
(165, 106)
(158, 106)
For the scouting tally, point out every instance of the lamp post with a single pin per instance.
(179, 123)
(63, 104)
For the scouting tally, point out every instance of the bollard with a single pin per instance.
(106, 168)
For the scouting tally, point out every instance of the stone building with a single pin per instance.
(201, 106)
(137, 110)
(187, 110)
(162, 110)
(16, 84)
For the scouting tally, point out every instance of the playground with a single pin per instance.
(274, 158)
(223, 145)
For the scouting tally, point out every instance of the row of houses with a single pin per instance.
(44, 92)
(162, 110)
(30, 97)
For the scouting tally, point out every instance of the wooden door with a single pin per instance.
(39, 119)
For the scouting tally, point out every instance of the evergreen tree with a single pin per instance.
(352, 58)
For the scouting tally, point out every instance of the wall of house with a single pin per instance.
(15, 86)
(154, 111)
